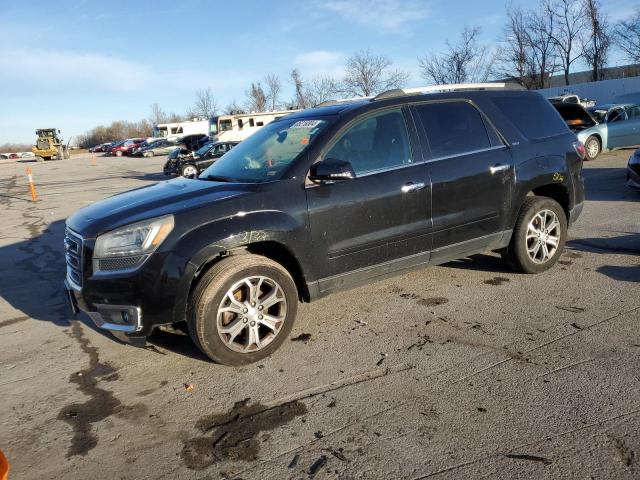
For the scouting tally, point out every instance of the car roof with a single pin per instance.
(368, 103)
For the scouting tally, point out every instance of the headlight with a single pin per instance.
(132, 242)
(635, 158)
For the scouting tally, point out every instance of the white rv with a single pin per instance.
(235, 128)
(180, 129)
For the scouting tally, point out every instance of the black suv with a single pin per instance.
(324, 199)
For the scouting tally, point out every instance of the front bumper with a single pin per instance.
(123, 321)
(129, 303)
(171, 167)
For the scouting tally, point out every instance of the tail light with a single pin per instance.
(580, 150)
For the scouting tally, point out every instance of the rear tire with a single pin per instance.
(592, 147)
(538, 237)
(225, 315)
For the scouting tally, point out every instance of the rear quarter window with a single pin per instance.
(532, 115)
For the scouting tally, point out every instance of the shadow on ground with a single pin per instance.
(627, 244)
(608, 184)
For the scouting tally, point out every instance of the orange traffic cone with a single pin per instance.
(4, 467)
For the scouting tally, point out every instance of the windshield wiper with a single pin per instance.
(216, 178)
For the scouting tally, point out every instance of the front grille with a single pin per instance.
(121, 263)
(73, 256)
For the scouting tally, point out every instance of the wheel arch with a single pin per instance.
(555, 191)
(273, 250)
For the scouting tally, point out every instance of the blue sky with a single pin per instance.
(79, 63)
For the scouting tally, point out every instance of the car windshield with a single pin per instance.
(204, 149)
(266, 153)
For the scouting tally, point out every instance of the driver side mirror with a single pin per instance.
(331, 170)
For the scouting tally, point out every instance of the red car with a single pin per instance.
(126, 147)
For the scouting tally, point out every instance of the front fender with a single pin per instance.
(207, 241)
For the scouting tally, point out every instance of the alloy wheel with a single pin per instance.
(543, 236)
(251, 314)
(189, 171)
(593, 148)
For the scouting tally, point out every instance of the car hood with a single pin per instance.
(576, 117)
(169, 197)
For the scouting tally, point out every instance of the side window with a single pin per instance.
(453, 128)
(375, 143)
(616, 115)
(633, 113)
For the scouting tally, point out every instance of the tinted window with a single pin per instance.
(634, 113)
(453, 128)
(532, 115)
(376, 143)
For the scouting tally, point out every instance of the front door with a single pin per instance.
(469, 170)
(624, 129)
(381, 215)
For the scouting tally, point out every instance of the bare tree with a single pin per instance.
(541, 32)
(274, 87)
(320, 89)
(569, 36)
(296, 79)
(368, 74)
(514, 54)
(627, 37)
(596, 52)
(465, 61)
(157, 115)
(256, 98)
(233, 109)
(528, 53)
(204, 105)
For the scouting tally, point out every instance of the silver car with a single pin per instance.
(604, 127)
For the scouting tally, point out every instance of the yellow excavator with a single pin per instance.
(49, 145)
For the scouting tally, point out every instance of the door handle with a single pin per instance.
(412, 187)
(498, 168)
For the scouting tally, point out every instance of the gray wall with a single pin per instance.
(602, 92)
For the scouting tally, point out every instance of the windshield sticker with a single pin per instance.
(306, 124)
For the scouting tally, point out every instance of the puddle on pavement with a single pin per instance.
(101, 403)
(233, 436)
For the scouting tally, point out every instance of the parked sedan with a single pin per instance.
(603, 128)
(126, 147)
(192, 166)
(162, 146)
(633, 171)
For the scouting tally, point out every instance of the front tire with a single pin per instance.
(189, 171)
(538, 237)
(592, 147)
(242, 309)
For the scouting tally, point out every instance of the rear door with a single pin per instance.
(469, 170)
(381, 215)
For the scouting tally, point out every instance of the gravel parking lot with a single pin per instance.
(461, 371)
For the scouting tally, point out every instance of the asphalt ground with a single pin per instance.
(466, 370)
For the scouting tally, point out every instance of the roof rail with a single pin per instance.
(326, 103)
(399, 92)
